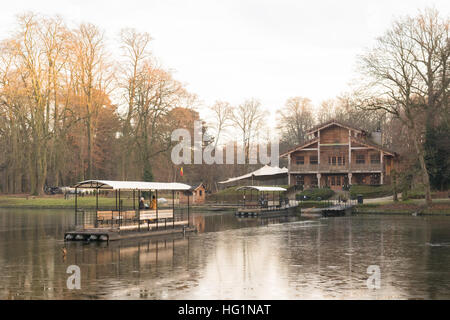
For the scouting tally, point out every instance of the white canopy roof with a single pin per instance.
(262, 188)
(131, 185)
(263, 171)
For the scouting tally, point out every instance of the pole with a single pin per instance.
(188, 206)
(96, 207)
(76, 205)
(120, 216)
(156, 192)
(173, 209)
(139, 211)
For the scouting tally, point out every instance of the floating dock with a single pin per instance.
(102, 234)
(259, 212)
(332, 211)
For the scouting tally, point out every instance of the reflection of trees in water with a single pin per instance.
(437, 259)
(226, 221)
(30, 254)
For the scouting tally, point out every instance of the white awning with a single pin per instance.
(131, 185)
(268, 189)
(263, 171)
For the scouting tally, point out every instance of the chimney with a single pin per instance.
(376, 136)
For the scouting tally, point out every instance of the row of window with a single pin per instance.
(340, 160)
(374, 158)
(312, 160)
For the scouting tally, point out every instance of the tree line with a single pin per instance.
(71, 110)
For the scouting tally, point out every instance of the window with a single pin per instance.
(374, 158)
(313, 160)
(360, 159)
(300, 160)
(332, 160)
(335, 160)
(200, 192)
(300, 180)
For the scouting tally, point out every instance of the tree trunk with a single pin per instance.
(425, 177)
(89, 148)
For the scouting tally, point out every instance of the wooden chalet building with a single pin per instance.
(337, 155)
(198, 194)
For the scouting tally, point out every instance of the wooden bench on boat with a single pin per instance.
(146, 216)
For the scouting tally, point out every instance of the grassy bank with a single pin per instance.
(439, 206)
(57, 202)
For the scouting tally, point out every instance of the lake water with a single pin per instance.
(230, 258)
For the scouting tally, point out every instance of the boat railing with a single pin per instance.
(131, 219)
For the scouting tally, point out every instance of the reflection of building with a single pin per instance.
(199, 222)
(197, 195)
(337, 155)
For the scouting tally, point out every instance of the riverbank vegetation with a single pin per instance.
(416, 207)
(370, 191)
(315, 194)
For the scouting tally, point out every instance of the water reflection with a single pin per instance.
(230, 258)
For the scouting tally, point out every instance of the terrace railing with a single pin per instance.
(335, 168)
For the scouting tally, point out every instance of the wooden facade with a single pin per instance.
(337, 155)
(198, 195)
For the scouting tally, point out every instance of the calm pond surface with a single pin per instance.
(230, 258)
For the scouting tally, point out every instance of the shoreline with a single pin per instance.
(440, 207)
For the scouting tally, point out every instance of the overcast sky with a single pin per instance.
(234, 50)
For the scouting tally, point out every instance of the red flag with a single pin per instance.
(181, 171)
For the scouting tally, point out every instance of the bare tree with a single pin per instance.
(408, 77)
(248, 118)
(92, 78)
(135, 52)
(222, 113)
(294, 120)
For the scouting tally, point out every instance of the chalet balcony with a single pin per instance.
(304, 167)
(366, 167)
(329, 168)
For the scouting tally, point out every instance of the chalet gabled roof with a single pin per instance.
(361, 141)
(331, 123)
(374, 145)
(197, 185)
(305, 144)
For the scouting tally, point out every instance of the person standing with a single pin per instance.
(153, 203)
(141, 204)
